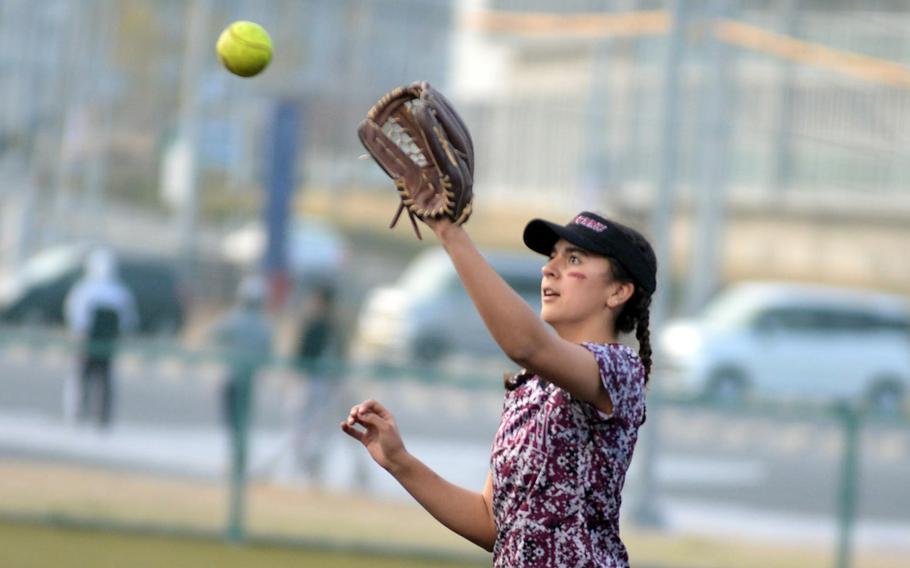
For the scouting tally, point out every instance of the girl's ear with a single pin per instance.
(620, 294)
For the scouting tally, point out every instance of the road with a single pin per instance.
(167, 418)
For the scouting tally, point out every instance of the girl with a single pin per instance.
(571, 416)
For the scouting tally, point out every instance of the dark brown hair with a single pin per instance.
(636, 313)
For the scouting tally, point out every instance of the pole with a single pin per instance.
(239, 430)
(596, 166)
(281, 161)
(783, 148)
(849, 483)
(646, 510)
(196, 49)
(96, 176)
(710, 194)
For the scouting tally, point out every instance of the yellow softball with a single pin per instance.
(244, 48)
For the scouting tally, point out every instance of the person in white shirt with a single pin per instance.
(99, 309)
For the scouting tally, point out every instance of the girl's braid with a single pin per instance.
(636, 314)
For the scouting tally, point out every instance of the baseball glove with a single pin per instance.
(416, 136)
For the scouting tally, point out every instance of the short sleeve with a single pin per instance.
(623, 375)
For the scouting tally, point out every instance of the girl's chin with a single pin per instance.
(549, 316)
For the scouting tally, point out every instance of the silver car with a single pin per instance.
(793, 340)
(427, 317)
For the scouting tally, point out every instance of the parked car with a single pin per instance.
(315, 248)
(36, 293)
(427, 316)
(780, 339)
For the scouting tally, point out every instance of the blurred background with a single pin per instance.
(763, 146)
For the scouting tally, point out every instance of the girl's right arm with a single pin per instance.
(465, 512)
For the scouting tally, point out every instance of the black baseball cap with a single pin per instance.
(601, 236)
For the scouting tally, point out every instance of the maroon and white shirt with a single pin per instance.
(558, 467)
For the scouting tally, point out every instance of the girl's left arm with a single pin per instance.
(520, 333)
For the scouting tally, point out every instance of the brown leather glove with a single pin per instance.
(416, 136)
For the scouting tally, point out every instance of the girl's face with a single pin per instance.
(576, 285)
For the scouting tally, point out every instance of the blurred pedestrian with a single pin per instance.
(244, 337)
(316, 354)
(571, 416)
(99, 309)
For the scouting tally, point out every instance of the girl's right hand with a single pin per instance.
(380, 437)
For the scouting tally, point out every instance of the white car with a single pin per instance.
(314, 247)
(775, 339)
(427, 317)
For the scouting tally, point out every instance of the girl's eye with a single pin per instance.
(574, 259)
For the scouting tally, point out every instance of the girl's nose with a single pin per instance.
(549, 269)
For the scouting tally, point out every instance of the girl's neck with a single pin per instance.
(585, 334)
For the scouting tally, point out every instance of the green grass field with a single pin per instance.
(36, 545)
(62, 515)
(41, 546)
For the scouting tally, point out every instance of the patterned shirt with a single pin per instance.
(559, 465)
